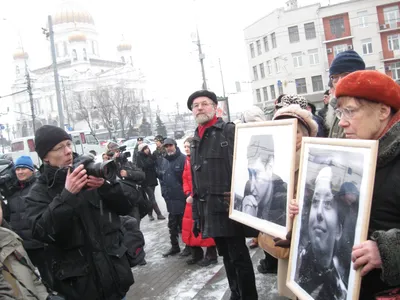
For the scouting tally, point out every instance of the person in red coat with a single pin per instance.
(188, 236)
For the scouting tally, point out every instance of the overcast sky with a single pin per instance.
(161, 33)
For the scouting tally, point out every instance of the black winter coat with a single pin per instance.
(170, 174)
(148, 165)
(211, 160)
(88, 258)
(18, 220)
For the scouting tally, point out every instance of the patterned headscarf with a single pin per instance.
(292, 99)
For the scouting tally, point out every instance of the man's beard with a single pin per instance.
(171, 152)
(203, 118)
(330, 117)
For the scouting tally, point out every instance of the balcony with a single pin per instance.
(396, 56)
(338, 39)
(388, 26)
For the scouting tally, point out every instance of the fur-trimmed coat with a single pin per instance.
(384, 226)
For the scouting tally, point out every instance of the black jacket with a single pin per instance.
(135, 174)
(88, 259)
(170, 174)
(18, 221)
(211, 160)
(148, 165)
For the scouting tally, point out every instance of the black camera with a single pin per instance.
(7, 177)
(123, 156)
(107, 169)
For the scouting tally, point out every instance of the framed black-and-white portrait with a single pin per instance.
(263, 174)
(334, 193)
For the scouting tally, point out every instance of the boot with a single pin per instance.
(268, 265)
(158, 212)
(210, 257)
(197, 255)
(172, 251)
(185, 252)
(151, 218)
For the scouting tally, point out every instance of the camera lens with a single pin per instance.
(106, 170)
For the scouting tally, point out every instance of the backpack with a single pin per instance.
(133, 239)
(137, 196)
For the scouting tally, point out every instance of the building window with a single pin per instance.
(362, 18)
(396, 71)
(317, 83)
(277, 66)
(273, 40)
(339, 48)
(74, 55)
(122, 59)
(258, 47)
(255, 73)
(252, 50)
(266, 46)
(309, 29)
(294, 34)
(391, 15)
(370, 68)
(262, 72)
(84, 54)
(272, 90)
(65, 49)
(297, 59)
(258, 93)
(269, 67)
(301, 86)
(394, 42)
(366, 46)
(313, 56)
(280, 88)
(337, 26)
(265, 93)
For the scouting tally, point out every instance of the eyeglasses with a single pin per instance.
(335, 78)
(61, 148)
(347, 113)
(203, 104)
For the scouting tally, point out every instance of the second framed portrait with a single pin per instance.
(334, 195)
(263, 174)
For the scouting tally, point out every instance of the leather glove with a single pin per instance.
(284, 243)
(227, 197)
(196, 227)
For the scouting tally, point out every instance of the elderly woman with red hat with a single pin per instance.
(368, 108)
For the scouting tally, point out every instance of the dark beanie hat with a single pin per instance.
(346, 62)
(47, 136)
(201, 93)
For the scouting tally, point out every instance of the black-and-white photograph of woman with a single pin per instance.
(328, 223)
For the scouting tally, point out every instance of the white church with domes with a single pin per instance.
(84, 77)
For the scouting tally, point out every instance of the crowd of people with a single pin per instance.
(64, 221)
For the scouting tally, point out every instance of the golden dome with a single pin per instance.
(71, 12)
(20, 54)
(124, 46)
(77, 36)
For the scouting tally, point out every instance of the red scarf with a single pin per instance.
(202, 128)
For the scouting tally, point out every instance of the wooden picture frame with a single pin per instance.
(334, 194)
(263, 175)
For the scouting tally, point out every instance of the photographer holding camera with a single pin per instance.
(128, 173)
(77, 215)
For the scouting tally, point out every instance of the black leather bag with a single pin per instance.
(137, 196)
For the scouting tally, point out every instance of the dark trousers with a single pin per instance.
(238, 266)
(150, 194)
(136, 214)
(175, 227)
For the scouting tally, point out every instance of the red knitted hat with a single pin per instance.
(370, 85)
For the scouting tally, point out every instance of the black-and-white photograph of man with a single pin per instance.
(328, 223)
(265, 192)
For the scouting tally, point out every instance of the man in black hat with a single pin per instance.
(170, 173)
(211, 159)
(77, 216)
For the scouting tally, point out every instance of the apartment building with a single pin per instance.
(290, 50)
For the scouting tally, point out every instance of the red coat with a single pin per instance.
(187, 221)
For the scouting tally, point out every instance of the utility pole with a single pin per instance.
(222, 78)
(29, 88)
(56, 81)
(65, 102)
(201, 58)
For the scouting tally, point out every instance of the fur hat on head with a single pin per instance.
(287, 100)
(302, 115)
(370, 85)
(142, 146)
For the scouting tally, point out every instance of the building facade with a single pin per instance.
(88, 83)
(290, 50)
